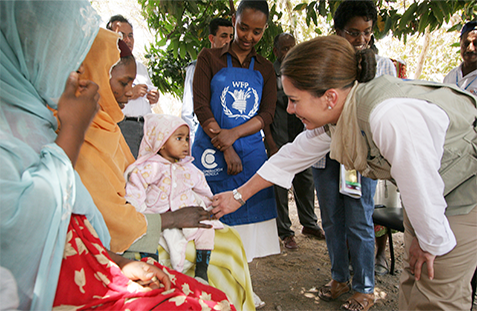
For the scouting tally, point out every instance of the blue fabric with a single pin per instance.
(235, 99)
(347, 219)
(41, 42)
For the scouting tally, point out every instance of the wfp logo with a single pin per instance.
(208, 159)
(241, 93)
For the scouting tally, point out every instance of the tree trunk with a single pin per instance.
(422, 57)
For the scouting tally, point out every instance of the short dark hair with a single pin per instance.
(277, 38)
(117, 18)
(468, 27)
(352, 8)
(126, 60)
(259, 5)
(216, 23)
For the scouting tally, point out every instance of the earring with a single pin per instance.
(329, 107)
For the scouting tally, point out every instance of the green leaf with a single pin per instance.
(174, 46)
(456, 27)
(437, 12)
(311, 12)
(322, 8)
(407, 16)
(423, 22)
(422, 8)
(183, 50)
(162, 42)
(446, 10)
(300, 7)
(194, 9)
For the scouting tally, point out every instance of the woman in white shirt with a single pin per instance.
(421, 135)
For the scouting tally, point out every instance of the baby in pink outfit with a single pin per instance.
(163, 179)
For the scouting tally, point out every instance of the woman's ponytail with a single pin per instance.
(366, 65)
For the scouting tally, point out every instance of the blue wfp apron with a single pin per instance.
(235, 99)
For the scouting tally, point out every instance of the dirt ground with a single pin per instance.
(290, 280)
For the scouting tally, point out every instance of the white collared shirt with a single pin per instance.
(410, 134)
(140, 106)
(467, 83)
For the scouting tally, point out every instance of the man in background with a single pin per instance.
(145, 93)
(465, 75)
(284, 129)
(221, 32)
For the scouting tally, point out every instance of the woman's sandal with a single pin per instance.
(333, 290)
(359, 302)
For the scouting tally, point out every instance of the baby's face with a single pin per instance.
(177, 146)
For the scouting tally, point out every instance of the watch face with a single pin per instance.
(238, 196)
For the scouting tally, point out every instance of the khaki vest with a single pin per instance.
(459, 162)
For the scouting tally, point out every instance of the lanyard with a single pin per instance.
(465, 89)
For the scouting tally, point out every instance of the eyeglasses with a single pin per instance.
(356, 34)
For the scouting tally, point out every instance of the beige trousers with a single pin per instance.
(450, 289)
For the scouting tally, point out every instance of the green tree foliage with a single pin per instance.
(182, 31)
(182, 26)
(400, 22)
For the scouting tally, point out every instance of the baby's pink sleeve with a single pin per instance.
(136, 187)
(202, 188)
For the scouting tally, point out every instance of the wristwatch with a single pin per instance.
(238, 197)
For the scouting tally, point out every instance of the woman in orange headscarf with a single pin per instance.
(102, 162)
(93, 277)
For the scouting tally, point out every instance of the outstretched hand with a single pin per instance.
(224, 203)
(417, 257)
(186, 217)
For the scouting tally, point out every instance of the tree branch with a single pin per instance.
(232, 8)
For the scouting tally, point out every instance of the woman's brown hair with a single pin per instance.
(327, 62)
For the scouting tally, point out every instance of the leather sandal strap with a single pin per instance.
(365, 301)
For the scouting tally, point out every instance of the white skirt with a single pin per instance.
(259, 239)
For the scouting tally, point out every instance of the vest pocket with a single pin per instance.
(458, 171)
(460, 179)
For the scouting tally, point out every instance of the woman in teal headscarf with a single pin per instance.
(46, 214)
(40, 45)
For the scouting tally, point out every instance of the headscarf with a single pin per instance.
(157, 130)
(105, 155)
(41, 42)
(124, 49)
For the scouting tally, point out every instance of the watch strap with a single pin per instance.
(238, 197)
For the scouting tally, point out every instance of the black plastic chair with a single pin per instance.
(392, 219)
